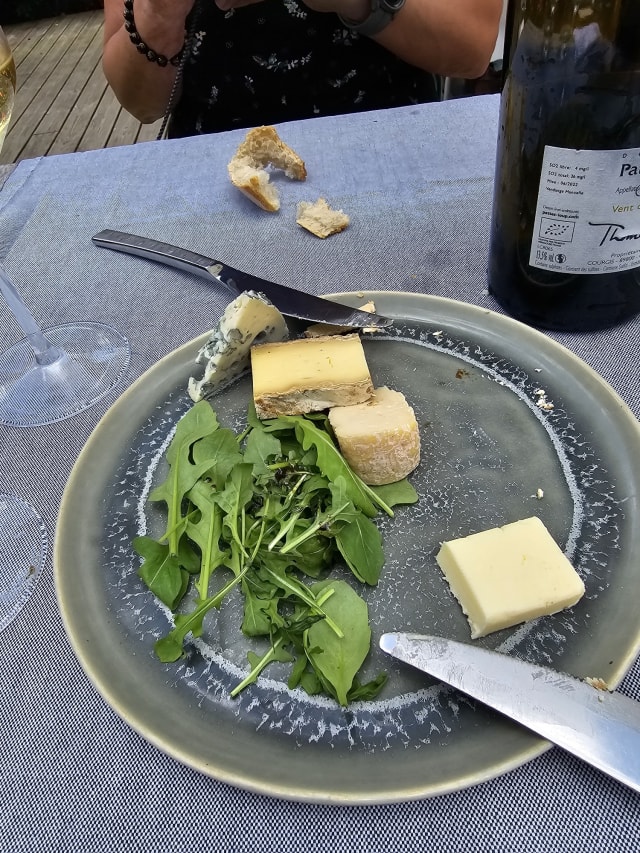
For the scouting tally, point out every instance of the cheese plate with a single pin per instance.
(483, 388)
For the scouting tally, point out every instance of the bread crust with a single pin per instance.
(247, 168)
(320, 219)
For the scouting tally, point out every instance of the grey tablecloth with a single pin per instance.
(417, 183)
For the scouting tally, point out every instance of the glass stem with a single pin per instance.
(44, 352)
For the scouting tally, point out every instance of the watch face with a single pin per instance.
(392, 5)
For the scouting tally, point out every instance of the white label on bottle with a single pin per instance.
(588, 212)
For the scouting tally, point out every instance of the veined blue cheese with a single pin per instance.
(250, 319)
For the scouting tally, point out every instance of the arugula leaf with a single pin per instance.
(220, 450)
(206, 533)
(370, 690)
(261, 446)
(331, 462)
(237, 493)
(199, 421)
(275, 652)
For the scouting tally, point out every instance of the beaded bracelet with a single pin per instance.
(136, 38)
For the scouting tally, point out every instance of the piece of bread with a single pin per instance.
(260, 148)
(380, 438)
(318, 218)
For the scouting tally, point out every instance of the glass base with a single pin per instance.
(23, 550)
(93, 357)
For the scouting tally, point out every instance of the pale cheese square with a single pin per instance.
(508, 575)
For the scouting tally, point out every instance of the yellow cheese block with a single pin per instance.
(380, 438)
(508, 575)
(309, 375)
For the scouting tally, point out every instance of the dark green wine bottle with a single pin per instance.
(565, 232)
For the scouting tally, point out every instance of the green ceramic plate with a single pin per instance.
(504, 412)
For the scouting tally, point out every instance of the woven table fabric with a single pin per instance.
(417, 183)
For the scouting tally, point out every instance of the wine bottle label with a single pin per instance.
(588, 211)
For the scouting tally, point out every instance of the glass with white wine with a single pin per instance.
(7, 85)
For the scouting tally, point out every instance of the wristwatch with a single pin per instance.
(382, 13)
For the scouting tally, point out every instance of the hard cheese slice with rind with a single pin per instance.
(309, 375)
(508, 575)
(248, 320)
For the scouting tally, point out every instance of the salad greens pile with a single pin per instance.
(276, 507)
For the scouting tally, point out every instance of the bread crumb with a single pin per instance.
(320, 219)
(598, 683)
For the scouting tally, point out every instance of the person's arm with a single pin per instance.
(143, 87)
(452, 38)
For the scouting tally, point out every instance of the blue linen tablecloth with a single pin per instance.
(417, 183)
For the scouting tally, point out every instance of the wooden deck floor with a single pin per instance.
(63, 103)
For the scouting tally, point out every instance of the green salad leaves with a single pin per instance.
(270, 512)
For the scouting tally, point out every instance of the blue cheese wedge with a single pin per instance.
(250, 319)
(508, 575)
(309, 375)
(380, 438)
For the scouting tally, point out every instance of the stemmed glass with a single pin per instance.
(46, 377)
(7, 85)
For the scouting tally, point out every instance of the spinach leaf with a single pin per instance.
(337, 659)
(360, 543)
(393, 494)
(161, 571)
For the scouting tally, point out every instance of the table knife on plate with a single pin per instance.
(288, 300)
(600, 727)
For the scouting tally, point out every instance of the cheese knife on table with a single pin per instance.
(288, 300)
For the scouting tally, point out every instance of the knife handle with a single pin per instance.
(164, 253)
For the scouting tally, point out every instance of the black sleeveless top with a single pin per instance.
(278, 60)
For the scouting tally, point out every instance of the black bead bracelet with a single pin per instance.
(136, 38)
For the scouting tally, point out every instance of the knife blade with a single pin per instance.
(600, 727)
(289, 301)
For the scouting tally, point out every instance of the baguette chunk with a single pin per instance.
(247, 169)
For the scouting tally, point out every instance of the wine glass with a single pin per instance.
(23, 550)
(48, 378)
(7, 85)
(44, 378)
